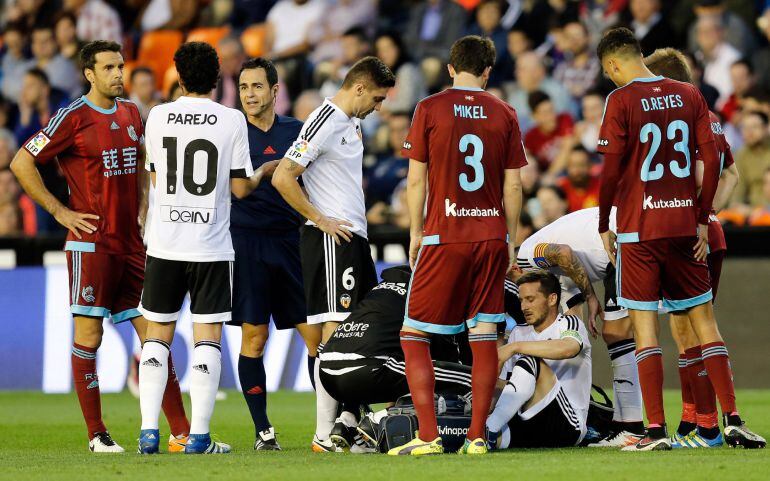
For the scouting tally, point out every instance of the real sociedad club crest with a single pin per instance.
(88, 294)
(132, 133)
(345, 300)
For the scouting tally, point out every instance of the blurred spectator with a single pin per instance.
(8, 146)
(354, 46)
(143, 92)
(410, 87)
(715, 54)
(525, 227)
(587, 130)
(392, 169)
(650, 27)
(247, 12)
(531, 77)
(760, 216)
(553, 204)
(743, 79)
(304, 105)
(399, 212)
(38, 102)
(761, 58)
(9, 189)
(96, 20)
(29, 13)
(169, 14)
(14, 63)
(231, 56)
(433, 26)
(9, 219)
(545, 140)
(341, 16)
(752, 161)
(578, 73)
(517, 43)
(65, 32)
(174, 92)
(736, 32)
(710, 93)
(489, 14)
(580, 186)
(62, 73)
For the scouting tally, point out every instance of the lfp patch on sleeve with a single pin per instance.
(36, 143)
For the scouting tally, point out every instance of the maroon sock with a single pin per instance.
(703, 391)
(87, 387)
(688, 399)
(717, 363)
(422, 381)
(483, 378)
(649, 362)
(173, 407)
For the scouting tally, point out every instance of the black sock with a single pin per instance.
(708, 433)
(311, 370)
(636, 427)
(657, 432)
(251, 373)
(685, 428)
(732, 420)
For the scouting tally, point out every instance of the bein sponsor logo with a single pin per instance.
(188, 215)
(451, 210)
(666, 204)
(452, 431)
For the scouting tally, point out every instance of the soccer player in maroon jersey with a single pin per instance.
(651, 129)
(97, 141)
(699, 426)
(465, 144)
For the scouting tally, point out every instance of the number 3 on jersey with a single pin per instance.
(466, 141)
(651, 129)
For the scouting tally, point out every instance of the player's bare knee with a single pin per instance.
(88, 331)
(254, 340)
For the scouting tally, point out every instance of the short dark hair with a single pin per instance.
(556, 190)
(472, 54)
(89, 51)
(671, 63)
(371, 70)
(536, 98)
(618, 41)
(549, 283)
(65, 14)
(198, 67)
(746, 62)
(140, 70)
(357, 32)
(39, 74)
(42, 26)
(260, 62)
(762, 116)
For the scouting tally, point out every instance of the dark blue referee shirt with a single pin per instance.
(264, 209)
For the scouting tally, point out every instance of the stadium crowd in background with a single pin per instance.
(546, 68)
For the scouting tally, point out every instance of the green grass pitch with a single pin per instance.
(43, 437)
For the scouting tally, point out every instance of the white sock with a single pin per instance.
(325, 407)
(204, 382)
(348, 419)
(627, 392)
(505, 438)
(153, 375)
(518, 390)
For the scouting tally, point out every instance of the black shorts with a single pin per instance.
(555, 426)
(166, 283)
(267, 279)
(612, 311)
(377, 381)
(336, 277)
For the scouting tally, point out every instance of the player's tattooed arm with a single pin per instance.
(285, 182)
(563, 256)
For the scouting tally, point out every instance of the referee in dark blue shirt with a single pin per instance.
(265, 232)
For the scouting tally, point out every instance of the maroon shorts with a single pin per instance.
(105, 285)
(717, 240)
(661, 269)
(454, 285)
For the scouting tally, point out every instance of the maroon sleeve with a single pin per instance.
(416, 143)
(728, 153)
(517, 158)
(613, 134)
(704, 140)
(55, 138)
(610, 179)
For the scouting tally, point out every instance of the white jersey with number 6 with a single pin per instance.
(194, 146)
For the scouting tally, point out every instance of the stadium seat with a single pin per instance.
(156, 51)
(253, 40)
(210, 35)
(54, 258)
(7, 258)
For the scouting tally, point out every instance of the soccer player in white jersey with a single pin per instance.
(547, 371)
(337, 266)
(571, 248)
(194, 147)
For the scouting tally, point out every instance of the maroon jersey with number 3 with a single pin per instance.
(98, 151)
(468, 137)
(655, 125)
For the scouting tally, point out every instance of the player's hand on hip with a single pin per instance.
(76, 221)
(336, 228)
(608, 239)
(702, 246)
(415, 241)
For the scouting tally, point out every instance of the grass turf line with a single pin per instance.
(44, 438)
